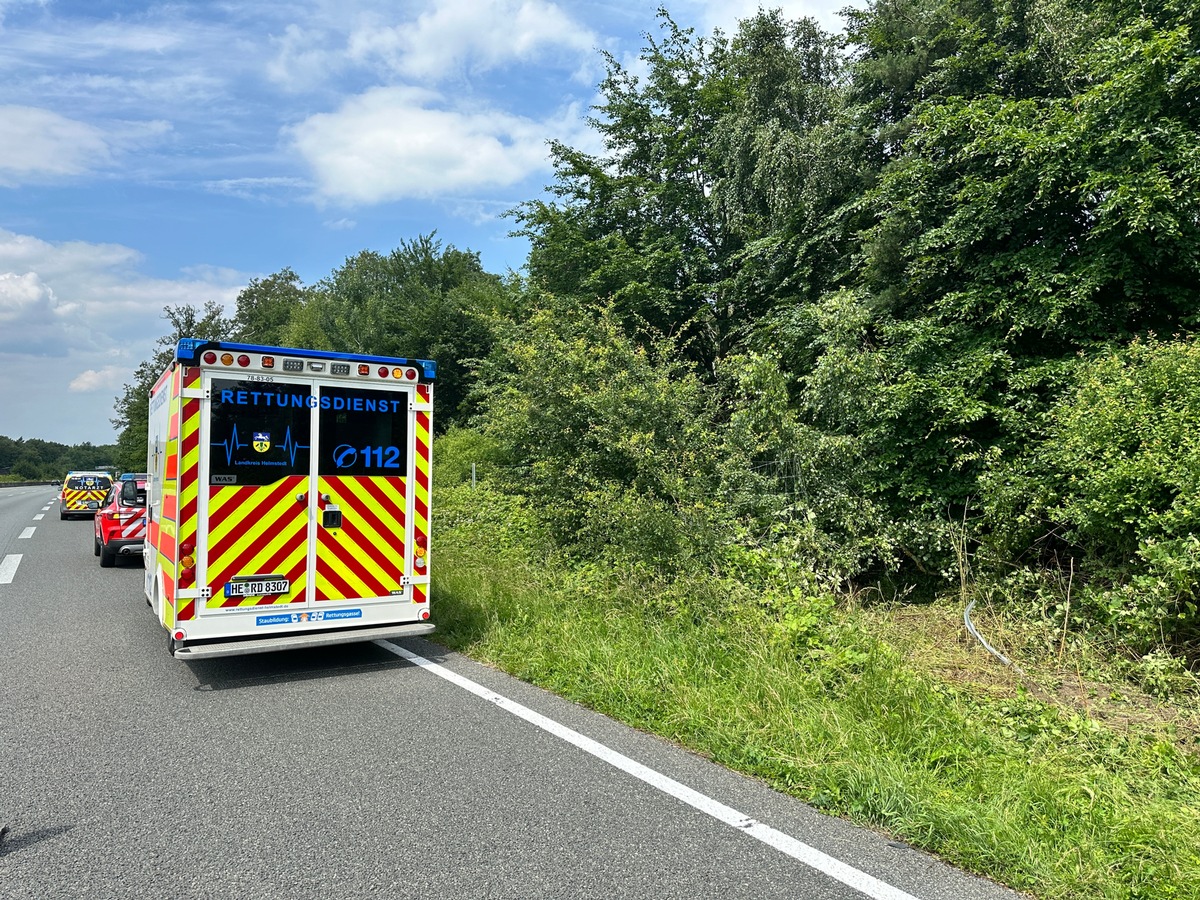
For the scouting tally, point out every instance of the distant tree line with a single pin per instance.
(37, 460)
(895, 305)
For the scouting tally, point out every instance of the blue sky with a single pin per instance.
(154, 154)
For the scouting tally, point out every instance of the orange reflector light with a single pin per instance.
(227, 359)
(397, 372)
(364, 369)
(268, 362)
(188, 562)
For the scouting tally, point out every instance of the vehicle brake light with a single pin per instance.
(424, 614)
(411, 374)
(210, 357)
(383, 371)
(243, 360)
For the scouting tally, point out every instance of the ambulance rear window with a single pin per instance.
(260, 431)
(89, 483)
(363, 432)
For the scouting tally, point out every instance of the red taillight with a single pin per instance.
(383, 371)
(210, 357)
(243, 360)
(186, 548)
(424, 614)
(411, 374)
(179, 635)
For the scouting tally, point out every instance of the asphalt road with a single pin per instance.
(357, 772)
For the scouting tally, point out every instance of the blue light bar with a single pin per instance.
(189, 350)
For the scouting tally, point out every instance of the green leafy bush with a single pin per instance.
(1115, 481)
(612, 441)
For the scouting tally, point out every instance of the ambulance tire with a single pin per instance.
(107, 560)
(95, 546)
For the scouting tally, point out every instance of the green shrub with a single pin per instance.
(1115, 482)
(612, 441)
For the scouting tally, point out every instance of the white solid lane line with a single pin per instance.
(812, 857)
(27, 533)
(8, 567)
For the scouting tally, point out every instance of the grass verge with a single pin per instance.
(820, 703)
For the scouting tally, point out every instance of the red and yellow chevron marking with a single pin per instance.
(189, 476)
(163, 534)
(423, 441)
(77, 500)
(365, 557)
(257, 530)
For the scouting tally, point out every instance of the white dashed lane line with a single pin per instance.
(39, 517)
(27, 533)
(8, 567)
(834, 868)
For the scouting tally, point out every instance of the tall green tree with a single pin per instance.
(132, 412)
(265, 308)
(421, 301)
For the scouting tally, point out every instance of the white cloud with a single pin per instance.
(268, 188)
(76, 319)
(456, 35)
(303, 58)
(109, 379)
(395, 143)
(40, 143)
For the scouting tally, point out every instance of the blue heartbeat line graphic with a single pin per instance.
(288, 446)
(230, 445)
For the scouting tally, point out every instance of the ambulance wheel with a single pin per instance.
(107, 560)
(95, 546)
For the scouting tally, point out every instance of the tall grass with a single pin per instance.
(1043, 801)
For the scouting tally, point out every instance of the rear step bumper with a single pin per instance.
(246, 646)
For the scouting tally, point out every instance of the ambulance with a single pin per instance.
(288, 496)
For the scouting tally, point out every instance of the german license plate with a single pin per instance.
(257, 587)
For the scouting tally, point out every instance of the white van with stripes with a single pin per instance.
(288, 498)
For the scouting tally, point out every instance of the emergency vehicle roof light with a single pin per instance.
(187, 351)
